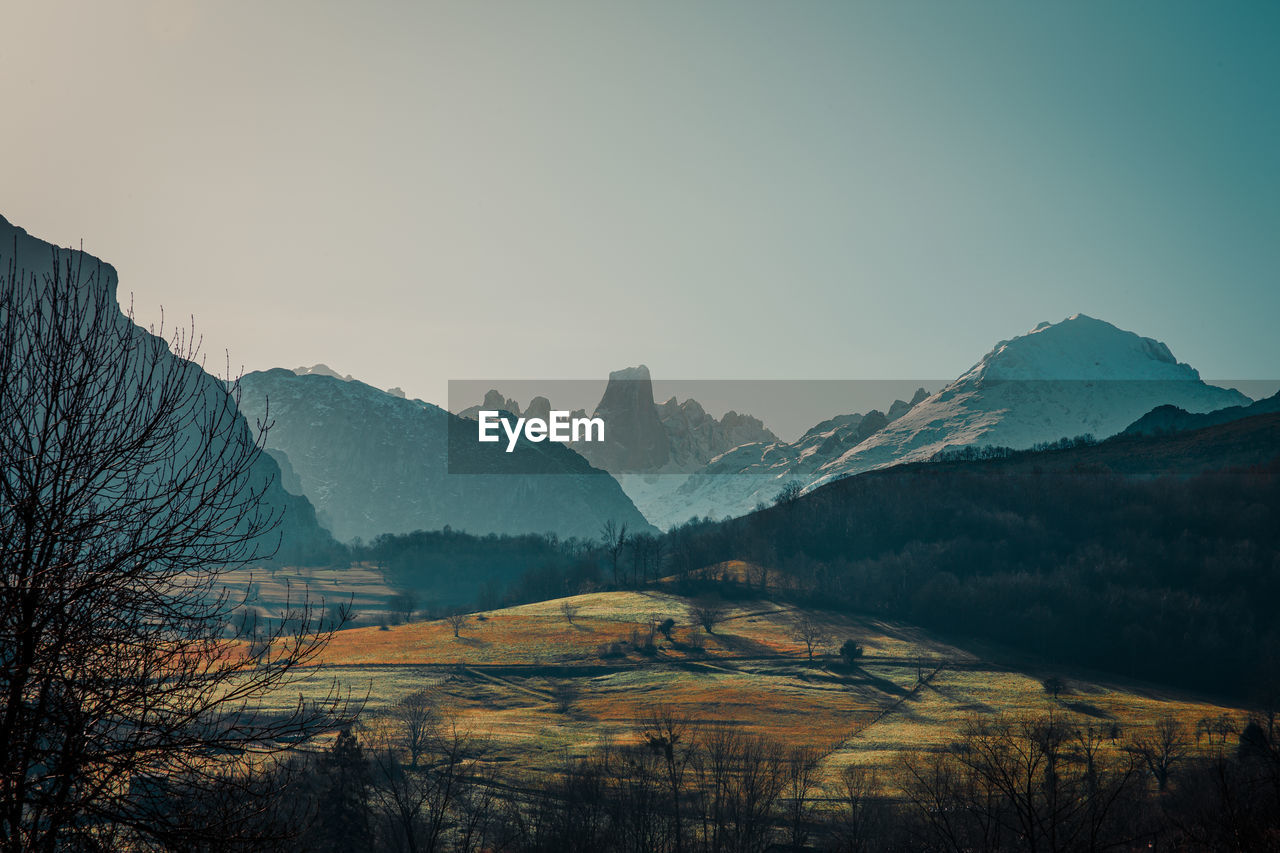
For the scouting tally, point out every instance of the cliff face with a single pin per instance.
(635, 439)
(374, 463)
(301, 536)
(642, 437)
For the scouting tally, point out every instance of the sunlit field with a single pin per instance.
(542, 689)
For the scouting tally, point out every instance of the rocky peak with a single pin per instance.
(635, 439)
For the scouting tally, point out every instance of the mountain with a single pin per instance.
(752, 473)
(301, 536)
(1167, 419)
(1079, 376)
(635, 438)
(322, 370)
(374, 462)
(643, 437)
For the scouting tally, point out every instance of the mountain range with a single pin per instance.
(363, 462)
(1079, 376)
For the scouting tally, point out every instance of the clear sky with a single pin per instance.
(412, 192)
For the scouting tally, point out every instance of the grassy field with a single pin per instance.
(269, 591)
(508, 671)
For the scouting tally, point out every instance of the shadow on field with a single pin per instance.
(859, 676)
(1089, 710)
(743, 646)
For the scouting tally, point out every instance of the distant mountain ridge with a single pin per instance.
(373, 462)
(1079, 376)
(643, 437)
(1167, 419)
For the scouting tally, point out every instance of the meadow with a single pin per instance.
(540, 687)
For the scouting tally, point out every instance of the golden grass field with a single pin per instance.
(500, 673)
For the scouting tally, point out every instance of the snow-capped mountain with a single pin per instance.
(735, 481)
(373, 462)
(1078, 376)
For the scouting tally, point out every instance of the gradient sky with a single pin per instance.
(413, 192)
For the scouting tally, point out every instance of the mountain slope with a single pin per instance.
(301, 537)
(1149, 555)
(374, 463)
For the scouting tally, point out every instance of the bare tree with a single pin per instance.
(658, 553)
(129, 486)
(811, 633)
(403, 604)
(569, 608)
(1161, 748)
(457, 621)
(614, 537)
(427, 807)
(1030, 782)
(640, 543)
(856, 820)
(669, 737)
(708, 613)
(801, 766)
(789, 494)
(418, 716)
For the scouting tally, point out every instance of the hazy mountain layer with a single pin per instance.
(1169, 419)
(373, 462)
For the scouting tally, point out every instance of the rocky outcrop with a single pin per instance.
(635, 439)
(696, 437)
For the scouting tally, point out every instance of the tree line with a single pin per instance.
(407, 778)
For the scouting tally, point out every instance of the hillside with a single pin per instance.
(540, 687)
(1151, 556)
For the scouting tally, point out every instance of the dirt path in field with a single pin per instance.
(508, 683)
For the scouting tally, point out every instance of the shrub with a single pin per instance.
(851, 651)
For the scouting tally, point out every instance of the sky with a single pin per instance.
(418, 192)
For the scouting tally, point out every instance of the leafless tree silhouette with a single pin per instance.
(614, 538)
(457, 621)
(707, 612)
(128, 487)
(811, 633)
